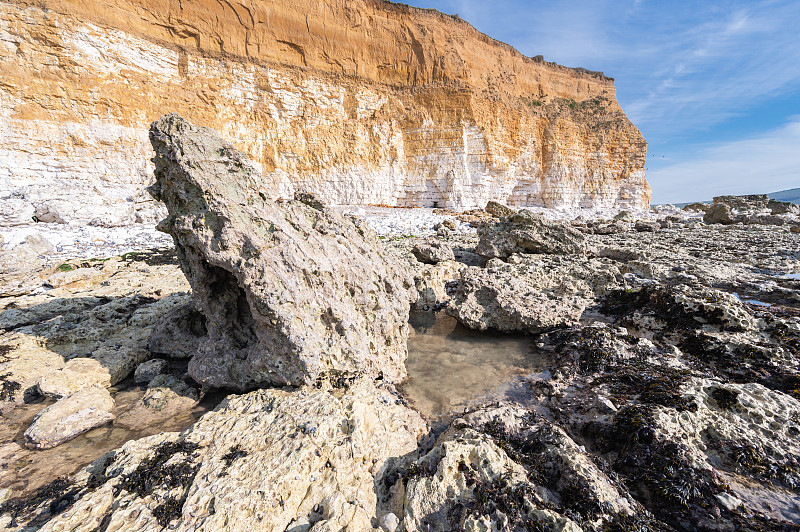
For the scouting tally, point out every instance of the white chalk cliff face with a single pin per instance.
(358, 102)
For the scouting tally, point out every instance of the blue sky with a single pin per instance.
(714, 86)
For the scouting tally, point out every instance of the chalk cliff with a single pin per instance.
(358, 101)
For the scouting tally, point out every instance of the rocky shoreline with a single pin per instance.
(670, 403)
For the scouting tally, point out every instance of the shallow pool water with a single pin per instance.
(450, 366)
(24, 470)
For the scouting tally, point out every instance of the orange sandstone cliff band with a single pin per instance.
(357, 101)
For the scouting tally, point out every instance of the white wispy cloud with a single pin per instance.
(714, 66)
(765, 163)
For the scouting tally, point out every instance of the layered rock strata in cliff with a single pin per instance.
(356, 102)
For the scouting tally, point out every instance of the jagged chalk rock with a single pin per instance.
(48, 214)
(433, 252)
(69, 417)
(290, 290)
(269, 456)
(488, 298)
(719, 213)
(431, 283)
(19, 267)
(147, 371)
(15, 210)
(525, 232)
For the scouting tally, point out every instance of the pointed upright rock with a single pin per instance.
(290, 289)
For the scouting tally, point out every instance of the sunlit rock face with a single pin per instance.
(355, 101)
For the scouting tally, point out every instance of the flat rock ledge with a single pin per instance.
(290, 289)
(68, 417)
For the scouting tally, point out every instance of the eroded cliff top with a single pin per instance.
(374, 39)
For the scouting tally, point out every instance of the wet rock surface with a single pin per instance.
(675, 389)
(290, 289)
(73, 415)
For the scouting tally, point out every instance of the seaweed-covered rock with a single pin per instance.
(69, 417)
(501, 468)
(433, 252)
(526, 232)
(266, 459)
(290, 290)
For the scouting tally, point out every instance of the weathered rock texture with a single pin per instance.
(264, 460)
(355, 101)
(525, 232)
(290, 289)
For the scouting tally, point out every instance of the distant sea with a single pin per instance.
(792, 196)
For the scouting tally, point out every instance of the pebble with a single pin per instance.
(389, 522)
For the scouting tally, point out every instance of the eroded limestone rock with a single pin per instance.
(751, 202)
(179, 333)
(433, 252)
(166, 397)
(20, 267)
(147, 371)
(76, 374)
(498, 210)
(697, 206)
(525, 232)
(431, 282)
(496, 299)
(290, 290)
(69, 417)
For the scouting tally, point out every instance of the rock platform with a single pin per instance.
(672, 402)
